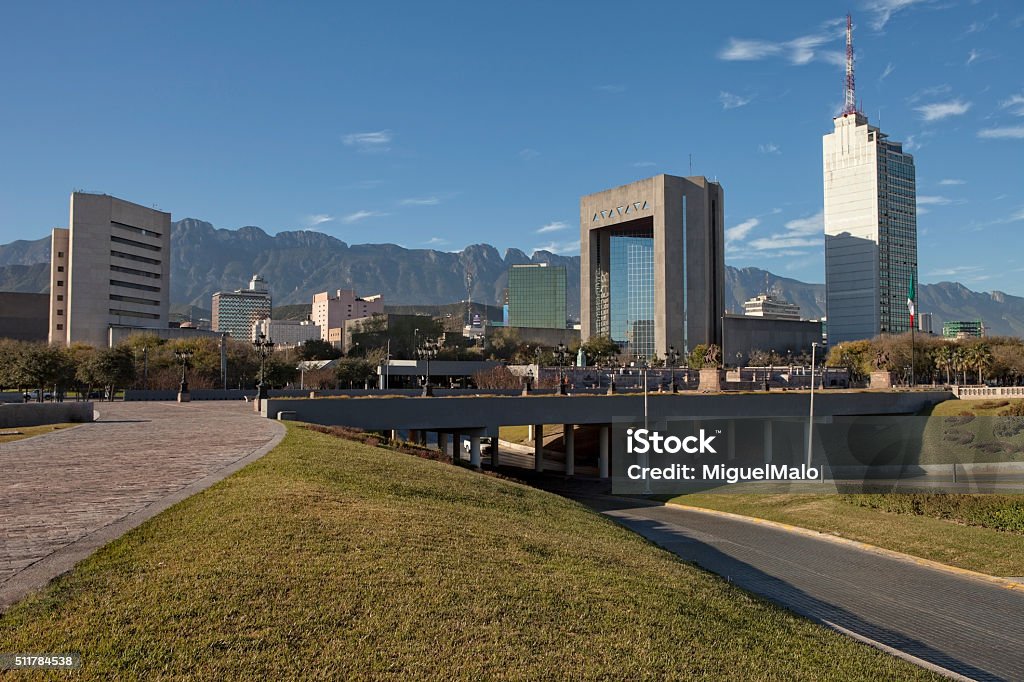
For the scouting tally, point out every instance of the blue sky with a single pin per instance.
(437, 125)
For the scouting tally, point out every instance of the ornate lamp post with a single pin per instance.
(264, 347)
(672, 357)
(184, 355)
(560, 352)
(426, 351)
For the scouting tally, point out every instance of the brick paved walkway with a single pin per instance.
(966, 625)
(65, 494)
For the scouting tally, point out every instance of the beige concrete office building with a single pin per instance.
(110, 267)
(652, 264)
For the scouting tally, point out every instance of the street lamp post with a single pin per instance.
(184, 355)
(426, 351)
(264, 347)
(673, 357)
(560, 352)
(810, 423)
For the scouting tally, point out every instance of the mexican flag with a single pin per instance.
(910, 301)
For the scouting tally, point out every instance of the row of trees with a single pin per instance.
(996, 360)
(141, 361)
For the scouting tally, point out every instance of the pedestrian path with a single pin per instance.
(65, 494)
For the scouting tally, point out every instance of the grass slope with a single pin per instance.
(329, 559)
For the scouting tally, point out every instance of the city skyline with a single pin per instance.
(488, 128)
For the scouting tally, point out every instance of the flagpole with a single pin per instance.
(912, 307)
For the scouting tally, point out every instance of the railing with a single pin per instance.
(977, 392)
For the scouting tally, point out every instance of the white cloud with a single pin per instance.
(739, 232)
(800, 233)
(733, 101)
(560, 247)
(814, 224)
(782, 242)
(769, 148)
(528, 154)
(952, 181)
(377, 141)
(1010, 133)
(799, 51)
(933, 201)
(436, 241)
(361, 215)
(940, 110)
(932, 91)
(1015, 104)
(954, 271)
(554, 226)
(749, 50)
(973, 56)
(319, 219)
(885, 9)
(420, 201)
(889, 68)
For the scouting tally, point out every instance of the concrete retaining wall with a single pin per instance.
(36, 414)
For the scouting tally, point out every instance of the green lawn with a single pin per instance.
(29, 431)
(930, 526)
(982, 408)
(329, 559)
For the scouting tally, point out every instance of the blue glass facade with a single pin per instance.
(631, 274)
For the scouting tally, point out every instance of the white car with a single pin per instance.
(486, 445)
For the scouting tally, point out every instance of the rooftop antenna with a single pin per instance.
(850, 103)
(691, 164)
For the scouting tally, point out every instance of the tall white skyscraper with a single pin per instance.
(870, 225)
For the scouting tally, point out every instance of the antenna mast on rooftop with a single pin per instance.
(850, 103)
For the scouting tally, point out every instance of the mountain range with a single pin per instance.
(297, 264)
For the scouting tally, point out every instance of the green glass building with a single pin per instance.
(536, 296)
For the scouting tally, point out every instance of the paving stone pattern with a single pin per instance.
(60, 487)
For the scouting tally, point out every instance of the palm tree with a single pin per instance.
(944, 358)
(960, 361)
(982, 360)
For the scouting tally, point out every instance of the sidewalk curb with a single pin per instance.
(928, 563)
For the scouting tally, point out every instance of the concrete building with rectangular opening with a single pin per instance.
(652, 264)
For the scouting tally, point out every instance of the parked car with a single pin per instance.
(486, 445)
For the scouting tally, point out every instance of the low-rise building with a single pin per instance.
(766, 305)
(747, 333)
(963, 329)
(25, 317)
(286, 333)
